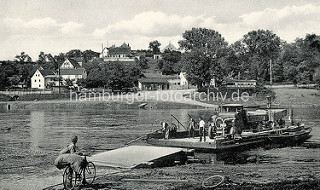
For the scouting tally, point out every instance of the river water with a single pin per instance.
(31, 139)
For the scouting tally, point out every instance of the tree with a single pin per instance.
(264, 46)
(23, 57)
(300, 59)
(142, 62)
(41, 58)
(197, 67)
(316, 76)
(123, 76)
(74, 53)
(89, 55)
(169, 61)
(154, 46)
(203, 49)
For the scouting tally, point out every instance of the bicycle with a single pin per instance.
(86, 176)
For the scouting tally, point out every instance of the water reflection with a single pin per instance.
(36, 129)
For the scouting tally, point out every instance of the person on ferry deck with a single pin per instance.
(165, 129)
(212, 126)
(191, 128)
(202, 130)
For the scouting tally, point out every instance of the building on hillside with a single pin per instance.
(41, 79)
(70, 64)
(157, 56)
(121, 53)
(71, 69)
(169, 47)
(79, 60)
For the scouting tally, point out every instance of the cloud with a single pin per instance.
(153, 24)
(289, 22)
(71, 28)
(41, 23)
(50, 35)
(39, 26)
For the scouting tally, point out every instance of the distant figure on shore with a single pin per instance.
(202, 130)
(191, 128)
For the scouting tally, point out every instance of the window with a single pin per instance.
(35, 80)
(39, 80)
(39, 85)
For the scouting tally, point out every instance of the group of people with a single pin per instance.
(169, 131)
(216, 126)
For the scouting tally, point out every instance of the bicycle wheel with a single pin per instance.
(213, 181)
(69, 178)
(90, 173)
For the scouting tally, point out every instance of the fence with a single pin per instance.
(20, 92)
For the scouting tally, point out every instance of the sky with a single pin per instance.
(58, 26)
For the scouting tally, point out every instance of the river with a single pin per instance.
(31, 139)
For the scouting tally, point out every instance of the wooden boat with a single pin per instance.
(143, 105)
(289, 136)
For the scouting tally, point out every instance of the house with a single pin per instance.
(42, 78)
(71, 69)
(237, 83)
(153, 84)
(163, 82)
(169, 47)
(121, 53)
(183, 80)
(70, 64)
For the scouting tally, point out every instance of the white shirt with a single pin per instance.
(201, 124)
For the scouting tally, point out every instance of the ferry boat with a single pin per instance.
(261, 127)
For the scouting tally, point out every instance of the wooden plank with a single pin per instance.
(132, 156)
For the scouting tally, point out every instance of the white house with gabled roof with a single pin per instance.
(71, 69)
(42, 77)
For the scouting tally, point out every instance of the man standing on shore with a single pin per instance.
(202, 130)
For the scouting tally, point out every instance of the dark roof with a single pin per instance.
(78, 71)
(123, 49)
(169, 47)
(74, 63)
(153, 80)
(124, 45)
(45, 72)
(159, 75)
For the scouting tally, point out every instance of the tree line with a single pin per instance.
(205, 54)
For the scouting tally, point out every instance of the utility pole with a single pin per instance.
(270, 72)
(59, 77)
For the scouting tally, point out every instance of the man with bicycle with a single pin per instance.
(68, 156)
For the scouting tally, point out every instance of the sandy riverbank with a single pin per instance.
(123, 101)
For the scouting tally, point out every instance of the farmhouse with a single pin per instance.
(42, 78)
